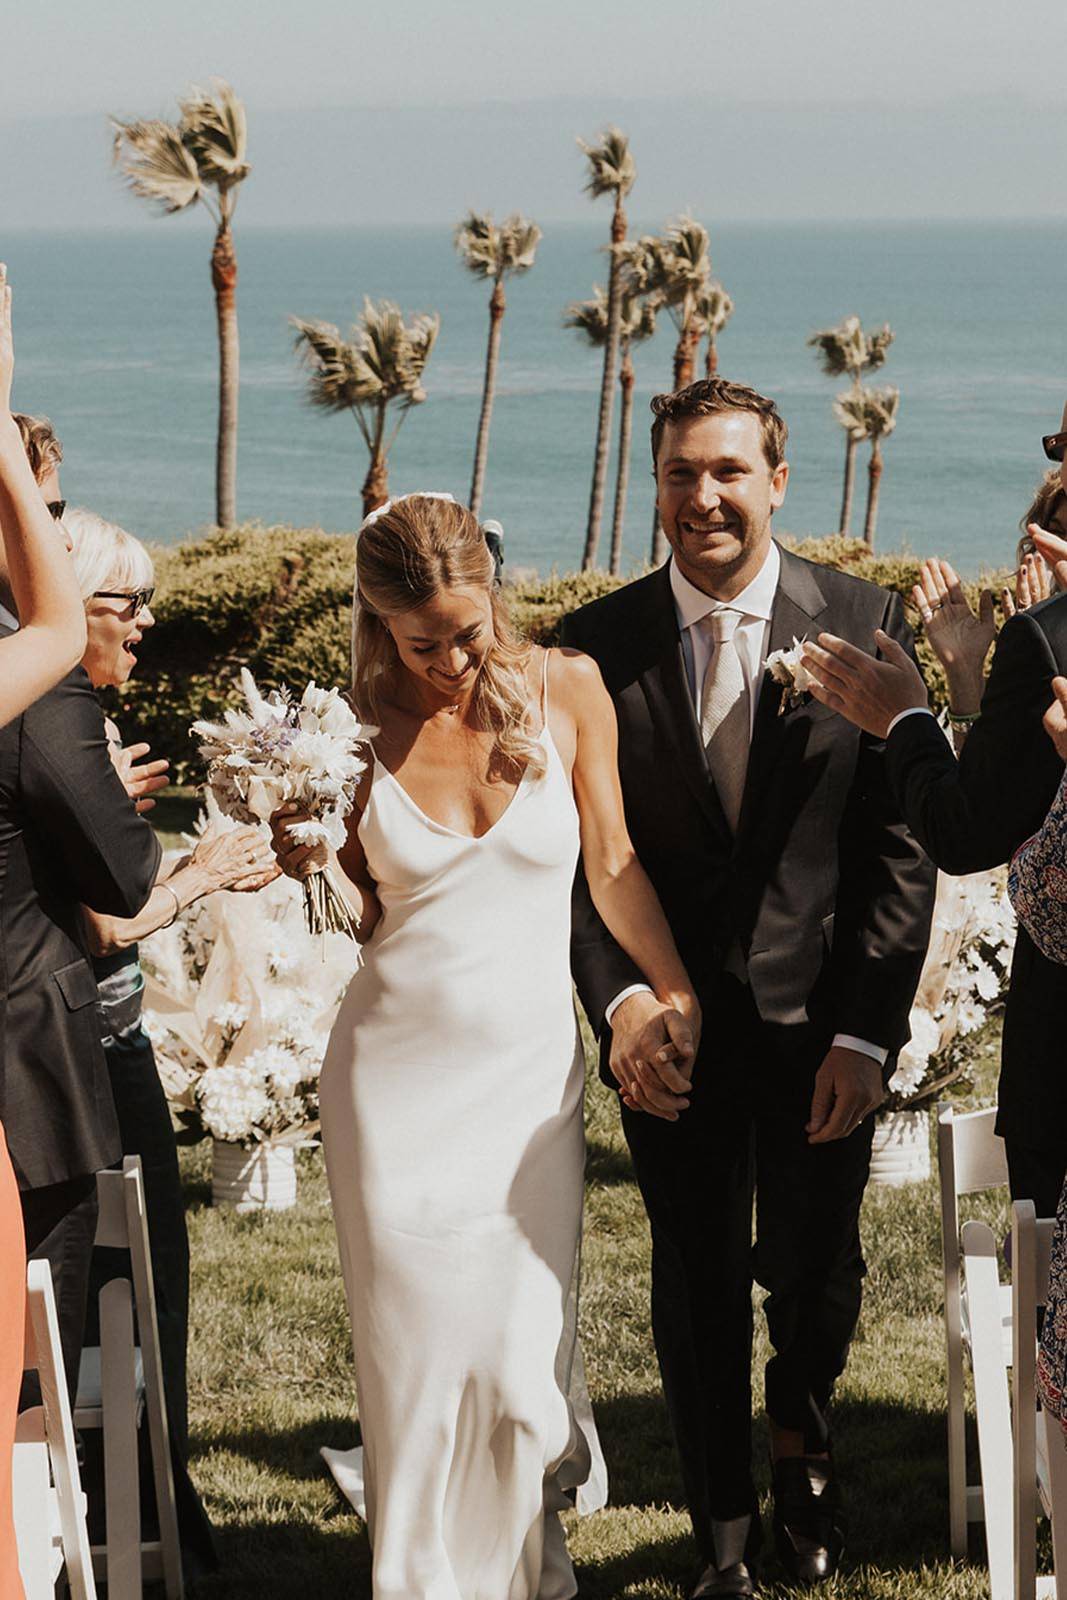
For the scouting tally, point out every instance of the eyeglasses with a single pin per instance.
(1055, 444)
(139, 599)
(56, 509)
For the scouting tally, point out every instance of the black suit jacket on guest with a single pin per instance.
(68, 835)
(975, 814)
(824, 888)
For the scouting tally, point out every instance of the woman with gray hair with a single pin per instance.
(117, 582)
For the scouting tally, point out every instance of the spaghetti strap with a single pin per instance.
(544, 687)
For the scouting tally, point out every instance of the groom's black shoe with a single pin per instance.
(808, 1525)
(736, 1582)
(731, 1573)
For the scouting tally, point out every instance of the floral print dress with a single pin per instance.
(1037, 885)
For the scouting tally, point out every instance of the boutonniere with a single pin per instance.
(786, 668)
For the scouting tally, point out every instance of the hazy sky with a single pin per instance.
(407, 109)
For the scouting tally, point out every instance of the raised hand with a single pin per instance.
(140, 778)
(868, 692)
(1055, 718)
(959, 638)
(7, 343)
(1054, 550)
(1033, 582)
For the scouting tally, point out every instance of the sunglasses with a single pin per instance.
(1055, 444)
(139, 599)
(56, 509)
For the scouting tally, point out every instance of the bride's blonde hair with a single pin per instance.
(417, 547)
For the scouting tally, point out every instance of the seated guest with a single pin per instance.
(117, 580)
(69, 836)
(974, 814)
(32, 660)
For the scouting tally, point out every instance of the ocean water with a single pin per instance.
(115, 339)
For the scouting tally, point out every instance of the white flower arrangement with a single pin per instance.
(281, 750)
(964, 979)
(787, 668)
(239, 1000)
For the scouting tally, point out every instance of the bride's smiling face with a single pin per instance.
(444, 643)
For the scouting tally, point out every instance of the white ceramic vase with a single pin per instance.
(260, 1179)
(900, 1152)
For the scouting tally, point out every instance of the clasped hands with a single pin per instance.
(653, 1052)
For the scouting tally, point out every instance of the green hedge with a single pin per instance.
(278, 600)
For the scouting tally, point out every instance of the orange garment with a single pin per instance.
(12, 1332)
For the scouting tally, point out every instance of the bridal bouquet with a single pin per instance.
(282, 749)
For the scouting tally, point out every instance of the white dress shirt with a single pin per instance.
(754, 605)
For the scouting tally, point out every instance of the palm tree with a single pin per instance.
(493, 252)
(380, 364)
(869, 414)
(848, 349)
(677, 268)
(611, 171)
(201, 157)
(714, 308)
(637, 322)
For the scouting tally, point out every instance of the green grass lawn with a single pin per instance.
(271, 1378)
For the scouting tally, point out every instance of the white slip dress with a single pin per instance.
(451, 1102)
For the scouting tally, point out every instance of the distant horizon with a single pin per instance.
(150, 220)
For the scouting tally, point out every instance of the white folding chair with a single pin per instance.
(1039, 1448)
(983, 1300)
(118, 1383)
(970, 1158)
(49, 1504)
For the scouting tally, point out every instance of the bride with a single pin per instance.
(451, 1093)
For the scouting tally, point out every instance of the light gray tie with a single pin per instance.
(725, 728)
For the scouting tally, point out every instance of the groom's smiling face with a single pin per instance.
(716, 491)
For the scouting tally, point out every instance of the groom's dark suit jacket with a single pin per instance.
(68, 835)
(824, 888)
(975, 814)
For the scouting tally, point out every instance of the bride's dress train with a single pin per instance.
(451, 1100)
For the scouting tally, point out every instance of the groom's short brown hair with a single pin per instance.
(711, 395)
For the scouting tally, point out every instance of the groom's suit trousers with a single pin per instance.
(744, 1131)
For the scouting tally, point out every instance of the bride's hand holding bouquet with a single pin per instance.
(301, 757)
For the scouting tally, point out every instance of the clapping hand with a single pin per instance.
(869, 692)
(1055, 718)
(1033, 582)
(139, 778)
(954, 631)
(653, 1048)
(959, 639)
(1054, 550)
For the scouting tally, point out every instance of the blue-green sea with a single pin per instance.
(115, 338)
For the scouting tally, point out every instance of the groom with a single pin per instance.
(801, 906)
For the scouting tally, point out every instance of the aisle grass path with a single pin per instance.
(271, 1380)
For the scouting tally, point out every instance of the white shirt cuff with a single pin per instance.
(848, 1041)
(624, 994)
(923, 711)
